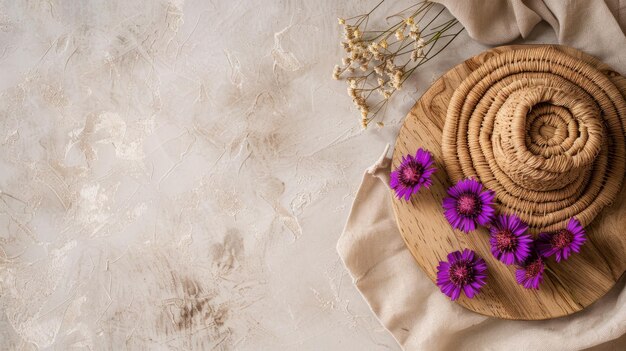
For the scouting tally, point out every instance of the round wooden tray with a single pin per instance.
(578, 282)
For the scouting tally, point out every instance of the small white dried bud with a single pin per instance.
(397, 79)
(389, 66)
(373, 48)
(348, 32)
(381, 91)
(341, 21)
(336, 72)
(352, 92)
(400, 35)
(364, 120)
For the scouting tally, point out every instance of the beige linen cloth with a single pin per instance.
(405, 301)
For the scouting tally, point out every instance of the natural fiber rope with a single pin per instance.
(544, 130)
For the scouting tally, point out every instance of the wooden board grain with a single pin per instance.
(573, 284)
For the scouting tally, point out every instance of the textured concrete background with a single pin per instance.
(175, 175)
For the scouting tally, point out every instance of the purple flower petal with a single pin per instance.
(562, 243)
(530, 274)
(469, 205)
(510, 241)
(413, 173)
(464, 271)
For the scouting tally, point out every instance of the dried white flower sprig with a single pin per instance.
(380, 61)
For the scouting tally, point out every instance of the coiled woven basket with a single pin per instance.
(544, 130)
(544, 127)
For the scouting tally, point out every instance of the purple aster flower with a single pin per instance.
(530, 274)
(468, 205)
(413, 173)
(561, 243)
(463, 271)
(510, 241)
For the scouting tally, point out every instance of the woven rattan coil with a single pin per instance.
(542, 129)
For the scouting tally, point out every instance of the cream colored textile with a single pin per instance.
(405, 301)
(589, 25)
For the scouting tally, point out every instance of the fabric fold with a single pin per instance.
(588, 25)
